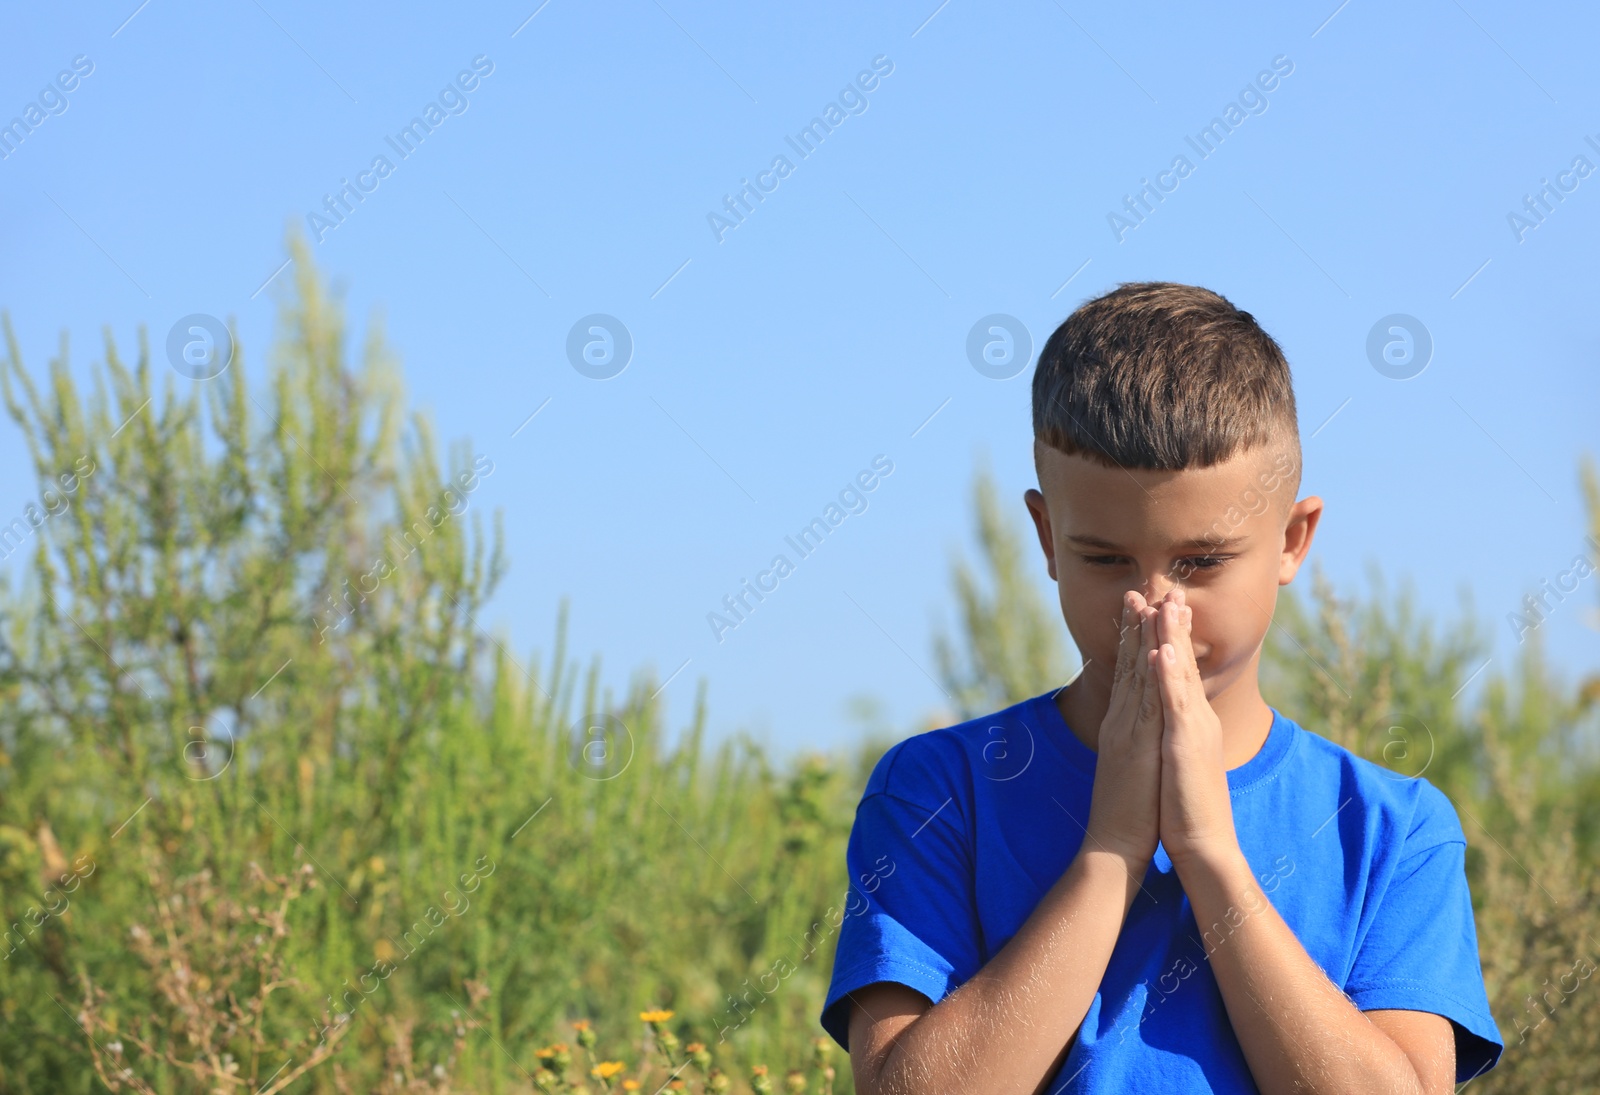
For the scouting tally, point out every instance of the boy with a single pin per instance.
(1150, 880)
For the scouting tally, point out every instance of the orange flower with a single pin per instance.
(630, 1085)
(694, 1047)
(586, 1036)
(607, 1069)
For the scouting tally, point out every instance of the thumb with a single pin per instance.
(1174, 690)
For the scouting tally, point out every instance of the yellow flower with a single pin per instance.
(375, 864)
(384, 950)
(630, 1085)
(655, 1016)
(607, 1069)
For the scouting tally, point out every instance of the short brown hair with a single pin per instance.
(1159, 375)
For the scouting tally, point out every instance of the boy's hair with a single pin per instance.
(1159, 375)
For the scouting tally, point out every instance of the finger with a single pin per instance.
(1141, 643)
(1182, 639)
(1126, 645)
(1178, 681)
(1151, 724)
(1174, 691)
(1134, 634)
(1177, 628)
(1193, 664)
(1122, 669)
(1170, 623)
(1148, 688)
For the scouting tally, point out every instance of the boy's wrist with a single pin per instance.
(1104, 834)
(1224, 862)
(1134, 861)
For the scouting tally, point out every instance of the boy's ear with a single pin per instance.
(1297, 537)
(1041, 523)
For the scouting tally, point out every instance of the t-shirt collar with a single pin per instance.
(1280, 737)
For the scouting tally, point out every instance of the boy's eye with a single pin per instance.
(1190, 563)
(1103, 560)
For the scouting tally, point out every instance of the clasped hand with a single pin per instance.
(1159, 773)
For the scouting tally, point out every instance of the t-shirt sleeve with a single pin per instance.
(1421, 951)
(912, 915)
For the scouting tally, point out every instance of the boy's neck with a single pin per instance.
(1246, 718)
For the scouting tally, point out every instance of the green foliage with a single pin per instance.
(1518, 764)
(246, 664)
(1011, 638)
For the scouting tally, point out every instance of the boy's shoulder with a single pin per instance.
(935, 768)
(1398, 805)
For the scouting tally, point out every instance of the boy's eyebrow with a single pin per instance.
(1223, 544)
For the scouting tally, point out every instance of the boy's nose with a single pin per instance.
(1156, 589)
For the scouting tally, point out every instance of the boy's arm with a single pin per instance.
(1007, 1028)
(1299, 1032)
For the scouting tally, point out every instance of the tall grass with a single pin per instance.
(208, 674)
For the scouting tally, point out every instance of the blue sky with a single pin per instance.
(772, 362)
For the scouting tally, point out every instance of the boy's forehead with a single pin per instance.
(1101, 501)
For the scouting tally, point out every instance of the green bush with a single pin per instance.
(245, 678)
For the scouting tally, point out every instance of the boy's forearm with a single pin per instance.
(1007, 1027)
(1299, 1032)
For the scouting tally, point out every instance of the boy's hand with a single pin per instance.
(1123, 809)
(1196, 812)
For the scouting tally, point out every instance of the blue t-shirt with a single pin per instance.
(961, 831)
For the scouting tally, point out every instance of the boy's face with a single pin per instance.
(1230, 534)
